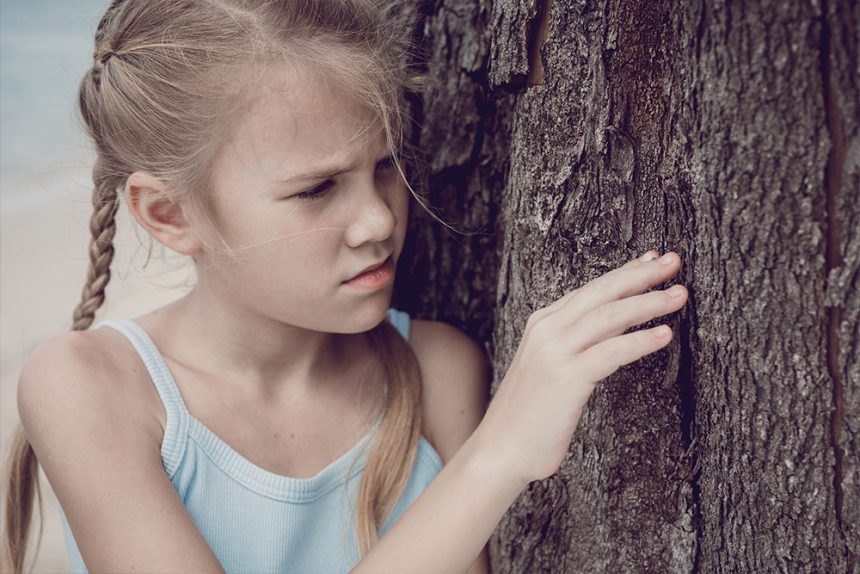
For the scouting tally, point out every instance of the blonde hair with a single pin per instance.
(157, 99)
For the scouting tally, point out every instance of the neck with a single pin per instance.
(272, 357)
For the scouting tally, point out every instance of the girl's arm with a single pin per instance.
(566, 349)
(100, 450)
(446, 527)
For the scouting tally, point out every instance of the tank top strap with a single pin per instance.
(176, 425)
(178, 417)
(400, 319)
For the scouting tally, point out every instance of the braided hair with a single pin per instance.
(105, 200)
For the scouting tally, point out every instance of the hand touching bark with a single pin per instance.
(566, 349)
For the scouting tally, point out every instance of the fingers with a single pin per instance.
(613, 318)
(620, 283)
(606, 357)
(559, 303)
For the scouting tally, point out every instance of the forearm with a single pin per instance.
(446, 527)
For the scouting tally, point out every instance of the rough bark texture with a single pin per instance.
(575, 135)
(463, 131)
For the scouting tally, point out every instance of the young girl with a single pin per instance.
(273, 420)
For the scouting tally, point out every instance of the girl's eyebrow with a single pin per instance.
(321, 172)
(324, 171)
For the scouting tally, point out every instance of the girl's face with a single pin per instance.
(294, 253)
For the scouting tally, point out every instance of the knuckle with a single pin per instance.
(552, 352)
(539, 328)
(641, 277)
(546, 354)
(598, 283)
(606, 312)
(654, 277)
(634, 347)
(607, 355)
(654, 270)
(560, 302)
(535, 317)
(662, 300)
(646, 342)
(569, 295)
(644, 339)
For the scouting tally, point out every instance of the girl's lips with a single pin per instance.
(371, 268)
(375, 278)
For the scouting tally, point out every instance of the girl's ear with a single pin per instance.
(160, 214)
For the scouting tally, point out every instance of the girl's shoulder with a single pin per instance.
(101, 454)
(456, 376)
(91, 370)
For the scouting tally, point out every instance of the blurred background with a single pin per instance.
(45, 187)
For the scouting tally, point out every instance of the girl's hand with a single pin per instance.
(566, 349)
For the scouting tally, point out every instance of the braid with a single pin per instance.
(103, 228)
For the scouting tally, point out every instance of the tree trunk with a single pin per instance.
(573, 135)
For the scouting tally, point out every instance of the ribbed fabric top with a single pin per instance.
(254, 520)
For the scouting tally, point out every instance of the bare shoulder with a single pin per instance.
(456, 375)
(82, 378)
(65, 366)
(78, 397)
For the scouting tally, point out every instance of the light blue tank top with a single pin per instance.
(256, 521)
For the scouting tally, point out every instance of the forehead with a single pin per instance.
(296, 120)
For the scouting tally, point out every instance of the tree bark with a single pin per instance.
(573, 135)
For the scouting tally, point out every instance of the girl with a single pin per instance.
(272, 420)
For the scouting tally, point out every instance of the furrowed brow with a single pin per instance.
(323, 172)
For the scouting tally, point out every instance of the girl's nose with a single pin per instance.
(374, 219)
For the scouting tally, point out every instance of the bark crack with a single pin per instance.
(537, 34)
(833, 171)
(688, 430)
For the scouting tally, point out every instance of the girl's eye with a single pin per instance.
(315, 194)
(321, 191)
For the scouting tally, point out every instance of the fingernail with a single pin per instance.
(666, 259)
(676, 291)
(661, 332)
(648, 256)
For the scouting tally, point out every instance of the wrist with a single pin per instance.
(488, 461)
